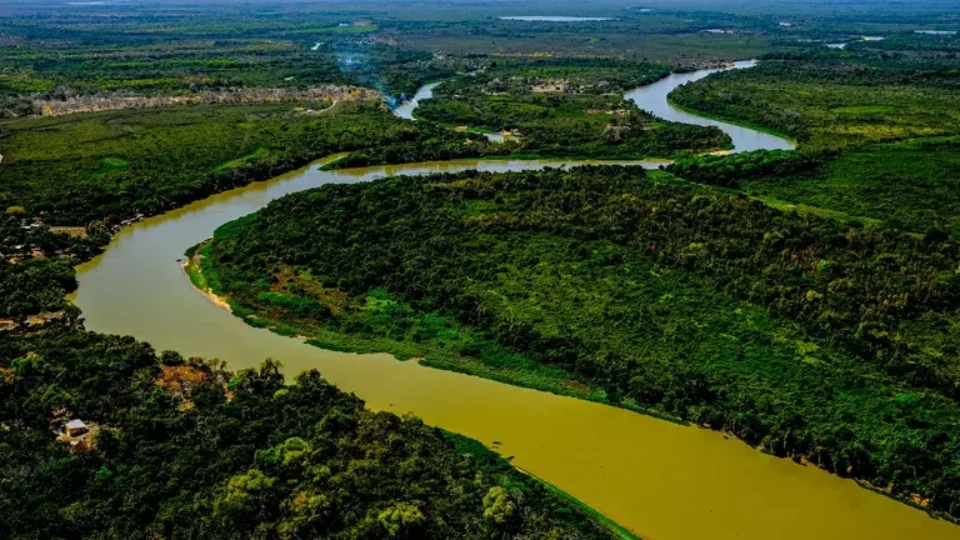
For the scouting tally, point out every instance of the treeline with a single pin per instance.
(183, 448)
(113, 167)
(162, 70)
(581, 75)
(906, 185)
(730, 170)
(64, 69)
(806, 336)
(864, 66)
(34, 286)
(914, 42)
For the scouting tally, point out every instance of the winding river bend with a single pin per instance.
(662, 480)
(653, 99)
(405, 109)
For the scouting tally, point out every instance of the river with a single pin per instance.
(405, 109)
(653, 99)
(662, 480)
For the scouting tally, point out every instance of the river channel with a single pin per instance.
(662, 480)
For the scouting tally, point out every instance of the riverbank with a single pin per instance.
(516, 370)
(631, 467)
(197, 271)
(655, 99)
(492, 462)
(194, 272)
(536, 159)
(735, 122)
(586, 296)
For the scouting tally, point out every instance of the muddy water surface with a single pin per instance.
(662, 480)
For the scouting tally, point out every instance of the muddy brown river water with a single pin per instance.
(662, 480)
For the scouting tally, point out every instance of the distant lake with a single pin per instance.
(555, 18)
(937, 32)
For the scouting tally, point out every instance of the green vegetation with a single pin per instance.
(117, 164)
(731, 171)
(910, 185)
(694, 292)
(827, 101)
(259, 153)
(377, 322)
(554, 107)
(48, 69)
(500, 468)
(796, 333)
(36, 266)
(183, 448)
(843, 107)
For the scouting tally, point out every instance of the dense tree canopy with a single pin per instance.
(696, 293)
(799, 333)
(119, 164)
(826, 102)
(187, 449)
(566, 108)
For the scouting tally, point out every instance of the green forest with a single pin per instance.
(184, 448)
(806, 302)
(909, 185)
(550, 108)
(833, 100)
(36, 266)
(200, 63)
(118, 164)
(799, 334)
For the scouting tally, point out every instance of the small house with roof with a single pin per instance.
(76, 428)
